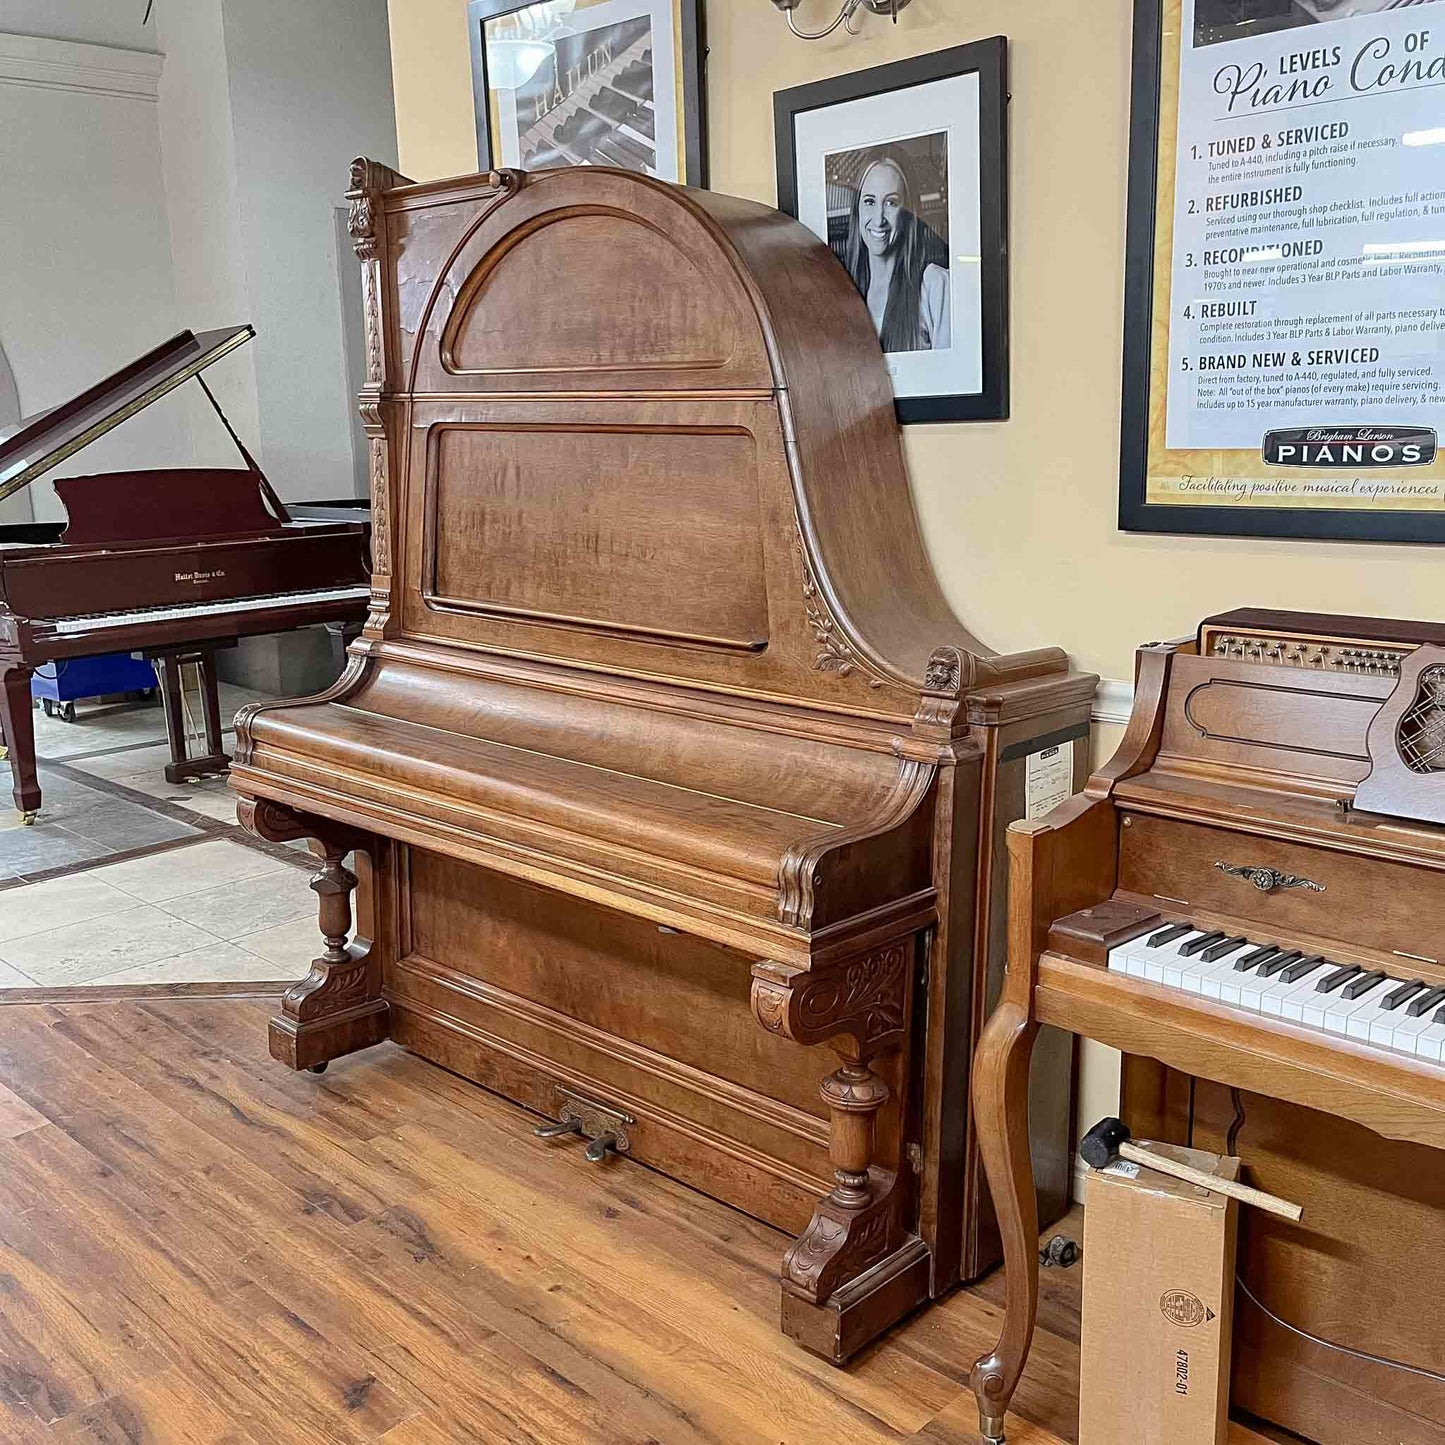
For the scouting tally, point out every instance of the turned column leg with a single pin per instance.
(338, 1007)
(853, 1225)
(15, 716)
(1001, 1114)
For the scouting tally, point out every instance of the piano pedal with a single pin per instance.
(604, 1128)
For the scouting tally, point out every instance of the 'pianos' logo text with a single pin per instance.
(1350, 446)
(200, 576)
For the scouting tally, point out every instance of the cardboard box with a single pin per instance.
(1158, 1305)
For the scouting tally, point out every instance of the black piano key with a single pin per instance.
(1338, 979)
(1254, 956)
(1305, 967)
(1358, 987)
(1168, 935)
(1403, 994)
(1279, 963)
(1425, 1002)
(1198, 945)
(1216, 951)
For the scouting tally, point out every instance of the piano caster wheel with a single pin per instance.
(317, 1068)
(600, 1148)
(27, 820)
(991, 1428)
(559, 1130)
(4, 752)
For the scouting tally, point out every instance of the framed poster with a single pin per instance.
(590, 83)
(1285, 303)
(902, 171)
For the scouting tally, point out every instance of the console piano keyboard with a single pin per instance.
(215, 607)
(1396, 1011)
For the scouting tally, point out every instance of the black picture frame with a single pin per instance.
(1136, 513)
(988, 59)
(692, 82)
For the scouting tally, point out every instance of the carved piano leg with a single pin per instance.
(337, 1008)
(1001, 1114)
(856, 1269)
(15, 717)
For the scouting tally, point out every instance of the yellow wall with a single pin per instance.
(1020, 515)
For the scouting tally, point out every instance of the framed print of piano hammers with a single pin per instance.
(901, 170)
(590, 82)
(1283, 358)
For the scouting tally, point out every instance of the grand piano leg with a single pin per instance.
(338, 1007)
(16, 707)
(1001, 1115)
(857, 1268)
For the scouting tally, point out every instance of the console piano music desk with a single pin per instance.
(170, 562)
(665, 760)
(1268, 958)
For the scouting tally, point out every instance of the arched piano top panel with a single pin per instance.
(649, 428)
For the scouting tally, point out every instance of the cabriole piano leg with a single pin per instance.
(1001, 1114)
(337, 1008)
(856, 1269)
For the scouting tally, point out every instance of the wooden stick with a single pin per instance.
(1138, 1154)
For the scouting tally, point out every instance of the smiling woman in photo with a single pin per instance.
(888, 255)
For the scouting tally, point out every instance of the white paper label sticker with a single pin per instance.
(1121, 1167)
(1050, 780)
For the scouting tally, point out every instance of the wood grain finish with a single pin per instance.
(680, 786)
(199, 1250)
(1223, 762)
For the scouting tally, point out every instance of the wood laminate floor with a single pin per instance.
(198, 1247)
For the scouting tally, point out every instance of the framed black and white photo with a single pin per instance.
(902, 171)
(590, 82)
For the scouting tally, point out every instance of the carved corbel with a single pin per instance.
(860, 1007)
(338, 1006)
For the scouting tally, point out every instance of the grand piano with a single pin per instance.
(1248, 901)
(168, 562)
(673, 783)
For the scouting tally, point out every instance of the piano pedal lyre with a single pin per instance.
(604, 1129)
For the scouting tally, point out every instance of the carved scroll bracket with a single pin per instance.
(863, 1000)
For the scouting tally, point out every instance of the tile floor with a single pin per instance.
(127, 879)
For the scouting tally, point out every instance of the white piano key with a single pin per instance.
(1138, 963)
(1338, 1016)
(1291, 1003)
(1430, 1043)
(1397, 1030)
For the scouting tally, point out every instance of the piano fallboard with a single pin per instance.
(302, 556)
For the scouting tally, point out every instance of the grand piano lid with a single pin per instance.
(45, 440)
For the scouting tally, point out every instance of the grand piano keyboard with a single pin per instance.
(1391, 1011)
(217, 607)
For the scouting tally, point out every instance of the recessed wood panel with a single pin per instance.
(653, 532)
(618, 296)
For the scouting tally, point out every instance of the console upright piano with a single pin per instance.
(1248, 901)
(664, 760)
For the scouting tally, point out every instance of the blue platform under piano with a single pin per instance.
(60, 685)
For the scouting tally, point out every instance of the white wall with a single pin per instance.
(96, 22)
(310, 90)
(198, 148)
(85, 258)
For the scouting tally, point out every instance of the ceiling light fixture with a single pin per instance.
(844, 17)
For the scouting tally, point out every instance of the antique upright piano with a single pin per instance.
(1249, 902)
(167, 562)
(663, 758)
